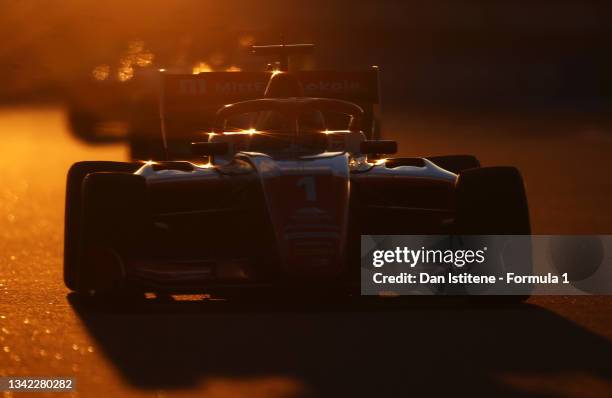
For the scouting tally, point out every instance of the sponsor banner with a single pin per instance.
(357, 86)
(486, 264)
(181, 91)
(189, 91)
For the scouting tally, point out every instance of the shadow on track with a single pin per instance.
(346, 349)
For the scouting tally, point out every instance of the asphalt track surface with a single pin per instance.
(548, 347)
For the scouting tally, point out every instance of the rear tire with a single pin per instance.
(82, 124)
(73, 210)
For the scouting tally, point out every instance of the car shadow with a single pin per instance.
(346, 349)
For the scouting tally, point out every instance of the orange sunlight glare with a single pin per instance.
(201, 67)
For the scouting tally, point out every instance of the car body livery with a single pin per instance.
(274, 189)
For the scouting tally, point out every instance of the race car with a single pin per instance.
(275, 194)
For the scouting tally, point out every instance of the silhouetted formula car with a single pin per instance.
(269, 192)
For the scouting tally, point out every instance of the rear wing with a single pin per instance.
(188, 103)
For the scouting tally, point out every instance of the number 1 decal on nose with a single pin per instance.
(310, 187)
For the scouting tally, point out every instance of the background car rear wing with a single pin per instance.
(189, 102)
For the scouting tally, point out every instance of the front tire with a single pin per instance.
(73, 227)
(456, 163)
(492, 201)
(115, 220)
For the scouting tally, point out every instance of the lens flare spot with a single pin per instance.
(201, 67)
(144, 59)
(101, 72)
(380, 161)
(125, 73)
